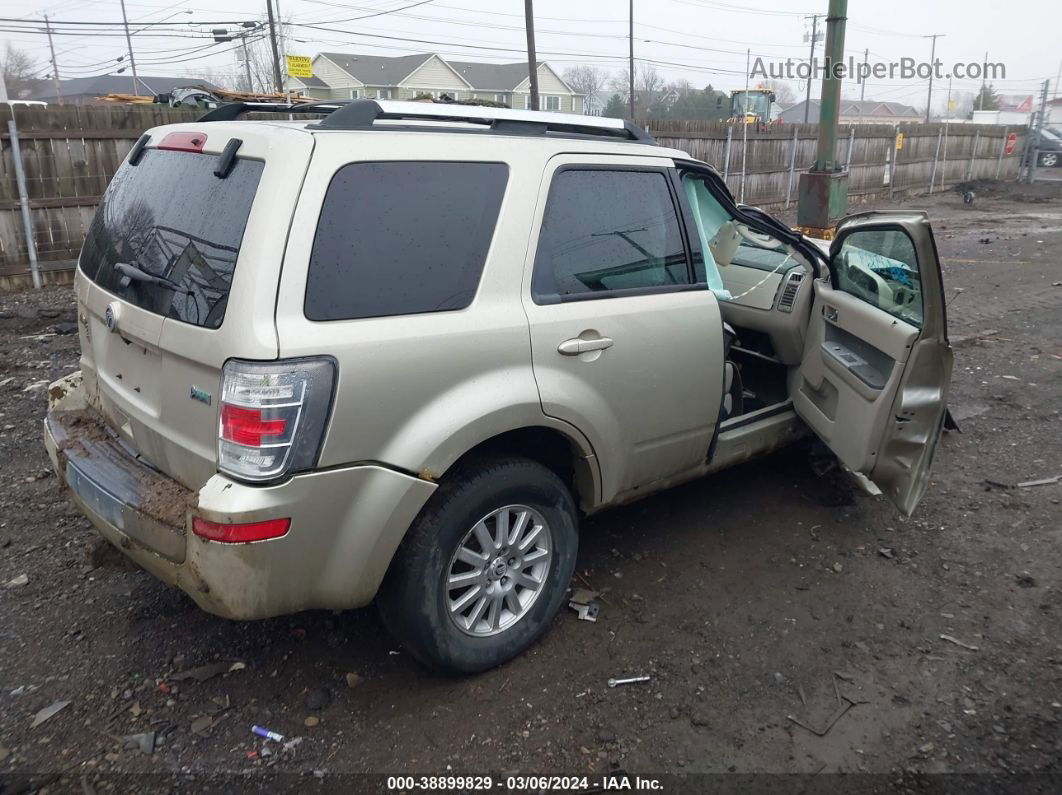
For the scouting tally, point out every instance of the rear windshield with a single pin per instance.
(170, 217)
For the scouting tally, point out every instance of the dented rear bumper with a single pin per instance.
(345, 523)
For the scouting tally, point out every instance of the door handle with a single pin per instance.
(577, 345)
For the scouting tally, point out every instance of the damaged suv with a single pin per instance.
(395, 354)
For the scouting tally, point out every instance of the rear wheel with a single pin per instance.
(1049, 159)
(484, 568)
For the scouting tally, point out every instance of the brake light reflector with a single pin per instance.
(184, 142)
(273, 416)
(233, 533)
(248, 426)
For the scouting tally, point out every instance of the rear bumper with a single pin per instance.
(345, 523)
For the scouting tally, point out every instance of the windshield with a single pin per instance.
(169, 217)
(750, 102)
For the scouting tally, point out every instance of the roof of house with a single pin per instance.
(311, 82)
(377, 70)
(853, 107)
(492, 76)
(115, 84)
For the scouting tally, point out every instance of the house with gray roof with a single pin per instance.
(853, 111)
(353, 76)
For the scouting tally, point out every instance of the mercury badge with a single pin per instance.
(110, 317)
(200, 394)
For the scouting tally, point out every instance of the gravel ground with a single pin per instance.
(758, 600)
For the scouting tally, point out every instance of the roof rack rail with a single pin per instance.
(361, 114)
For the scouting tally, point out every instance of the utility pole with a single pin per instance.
(55, 66)
(863, 82)
(247, 62)
(278, 84)
(932, 69)
(823, 195)
(532, 58)
(129, 44)
(811, 64)
(630, 62)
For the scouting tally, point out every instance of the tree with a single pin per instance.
(21, 72)
(616, 107)
(704, 104)
(986, 99)
(783, 92)
(648, 86)
(586, 80)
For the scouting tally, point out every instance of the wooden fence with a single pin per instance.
(947, 154)
(70, 154)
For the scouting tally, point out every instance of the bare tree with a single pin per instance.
(783, 92)
(587, 80)
(21, 72)
(648, 86)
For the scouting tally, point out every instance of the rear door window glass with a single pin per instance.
(170, 217)
(403, 238)
(605, 231)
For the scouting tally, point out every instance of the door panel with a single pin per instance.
(625, 346)
(877, 364)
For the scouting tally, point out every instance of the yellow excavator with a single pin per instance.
(754, 106)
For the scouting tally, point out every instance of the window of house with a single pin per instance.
(402, 238)
(551, 103)
(606, 230)
(384, 93)
(355, 93)
(501, 99)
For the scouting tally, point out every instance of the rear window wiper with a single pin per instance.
(134, 273)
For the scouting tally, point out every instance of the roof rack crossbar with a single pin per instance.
(361, 114)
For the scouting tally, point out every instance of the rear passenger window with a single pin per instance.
(608, 230)
(402, 238)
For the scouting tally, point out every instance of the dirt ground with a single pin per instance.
(757, 600)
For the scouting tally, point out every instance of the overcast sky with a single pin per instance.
(702, 41)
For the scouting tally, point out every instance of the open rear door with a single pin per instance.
(877, 363)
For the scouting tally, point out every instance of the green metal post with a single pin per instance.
(823, 194)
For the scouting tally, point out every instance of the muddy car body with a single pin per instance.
(396, 353)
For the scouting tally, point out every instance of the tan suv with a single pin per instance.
(397, 352)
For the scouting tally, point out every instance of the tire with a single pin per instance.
(1049, 159)
(414, 601)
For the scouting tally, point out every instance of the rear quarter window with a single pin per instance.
(401, 238)
(170, 217)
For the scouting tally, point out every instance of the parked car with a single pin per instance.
(1049, 145)
(398, 353)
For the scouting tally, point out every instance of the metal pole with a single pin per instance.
(532, 58)
(944, 159)
(55, 66)
(811, 65)
(936, 155)
(630, 39)
(23, 200)
(973, 156)
(933, 68)
(129, 44)
(745, 124)
(247, 63)
(726, 152)
(1002, 149)
(1041, 117)
(278, 84)
(863, 82)
(892, 162)
(792, 170)
(851, 143)
(829, 108)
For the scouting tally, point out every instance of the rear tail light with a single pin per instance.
(273, 416)
(229, 533)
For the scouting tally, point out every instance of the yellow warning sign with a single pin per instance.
(899, 141)
(300, 66)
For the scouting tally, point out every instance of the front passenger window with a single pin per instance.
(605, 231)
(880, 266)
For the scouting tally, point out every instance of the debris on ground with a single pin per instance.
(311, 721)
(887, 552)
(261, 731)
(48, 712)
(1041, 482)
(205, 672)
(17, 582)
(353, 680)
(584, 602)
(145, 741)
(958, 642)
(628, 681)
(318, 698)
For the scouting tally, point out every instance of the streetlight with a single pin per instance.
(222, 35)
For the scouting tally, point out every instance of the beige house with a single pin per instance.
(352, 76)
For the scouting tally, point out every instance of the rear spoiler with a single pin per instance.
(361, 114)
